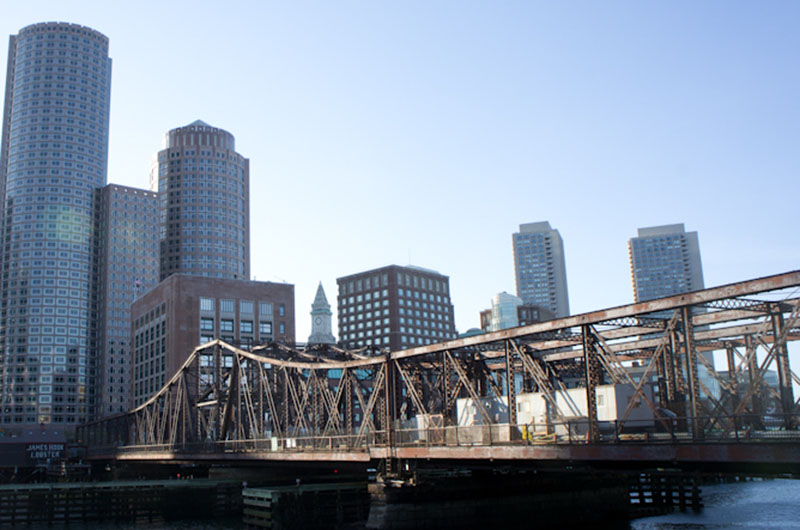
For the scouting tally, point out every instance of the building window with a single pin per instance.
(282, 328)
(226, 306)
(265, 328)
(206, 304)
(265, 309)
(207, 324)
(282, 310)
(246, 326)
(246, 307)
(226, 325)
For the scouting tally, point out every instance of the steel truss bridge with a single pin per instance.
(325, 404)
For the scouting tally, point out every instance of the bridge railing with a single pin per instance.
(727, 429)
(676, 430)
(267, 444)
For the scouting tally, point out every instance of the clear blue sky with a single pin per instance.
(427, 131)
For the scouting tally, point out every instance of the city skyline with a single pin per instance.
(713, 117)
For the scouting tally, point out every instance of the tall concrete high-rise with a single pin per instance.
(53, 156)
(204, 190)
(665, 260)
(540, 268)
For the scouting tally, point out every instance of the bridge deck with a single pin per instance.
(743, 452)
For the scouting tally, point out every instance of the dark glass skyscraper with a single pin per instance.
(54, 155)
(204, 189)
(127, 232)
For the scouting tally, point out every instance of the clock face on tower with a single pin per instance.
(318, 320)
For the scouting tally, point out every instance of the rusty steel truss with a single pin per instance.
(276, 398)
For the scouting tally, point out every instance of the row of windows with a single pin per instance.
(227, 305)
(403, 278)
(227, 325)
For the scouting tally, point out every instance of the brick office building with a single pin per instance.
(395, 307)
(185, 311)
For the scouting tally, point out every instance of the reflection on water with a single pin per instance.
(228, 523)
(760, 505)
(769, 504)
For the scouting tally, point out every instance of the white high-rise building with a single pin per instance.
(504, 311)
(53, 156)
(540, 268)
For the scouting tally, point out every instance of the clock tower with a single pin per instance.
(321, 320)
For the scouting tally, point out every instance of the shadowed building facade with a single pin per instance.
(128, 243)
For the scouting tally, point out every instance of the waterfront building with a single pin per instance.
(53, 158)
(504, 311)
(665, 261)
(394, 307)
(508, 311)
(128, 248)
(540, 268)
(184, 311)
(204, 189)
(321, 315)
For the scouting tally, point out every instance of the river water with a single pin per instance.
(767, 504)
(759, 505)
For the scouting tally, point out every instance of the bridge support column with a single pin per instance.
(751, 349)
(784, 371)
(592, 367)
(691, 372)
(389, 409)
(676, 374)
(732, 379)
(511, 392)
(445, 390)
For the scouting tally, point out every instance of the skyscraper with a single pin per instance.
(127, 235)
(54, 155)
(395, 307)
(665, 260)
(540, 268)
(203, 186)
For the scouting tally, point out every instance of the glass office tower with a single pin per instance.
(540, 268)
(54, 154)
